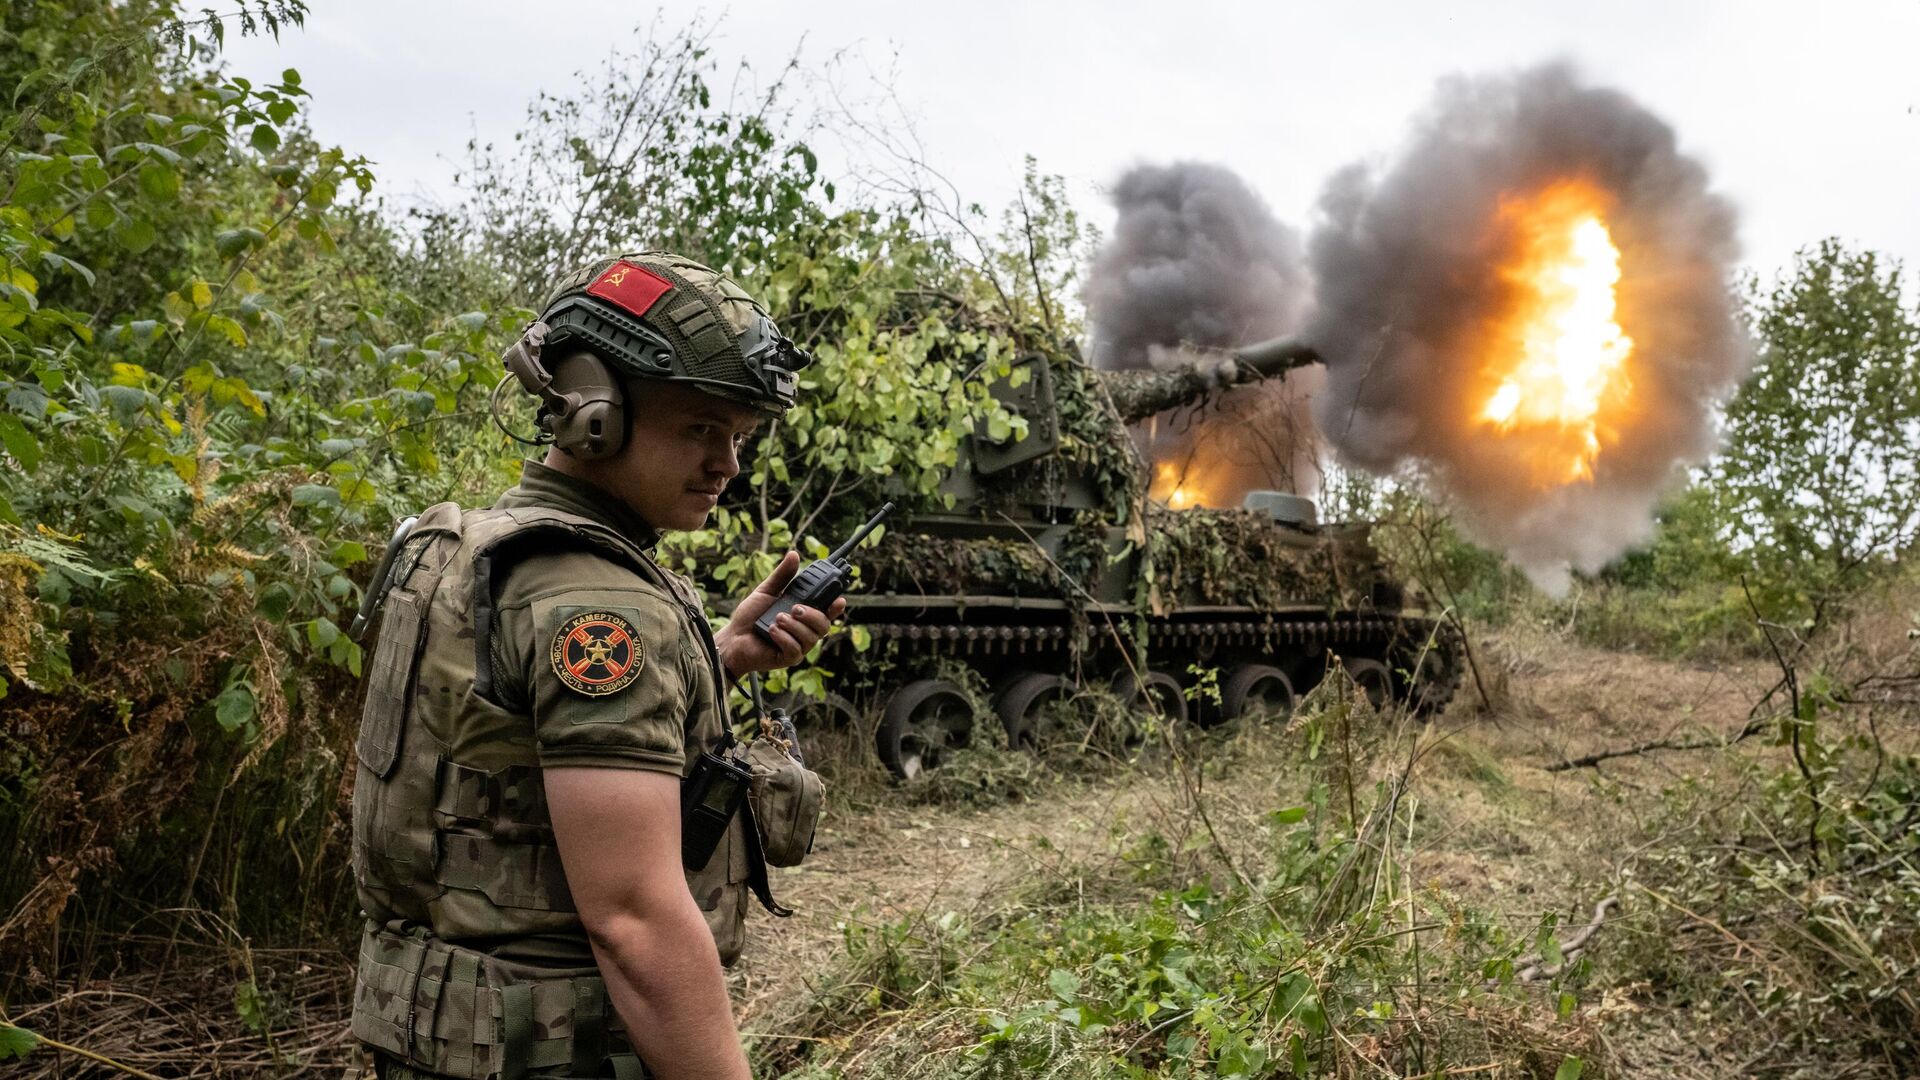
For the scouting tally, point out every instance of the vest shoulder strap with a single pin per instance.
(501, 539)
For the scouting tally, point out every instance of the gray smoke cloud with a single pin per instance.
(1401, 257)
(1196, 259)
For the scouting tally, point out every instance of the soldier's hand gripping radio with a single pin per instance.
(820, 583)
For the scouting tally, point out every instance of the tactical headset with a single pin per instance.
(583, 411)
(582, 405)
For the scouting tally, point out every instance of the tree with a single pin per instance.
(1823, 440)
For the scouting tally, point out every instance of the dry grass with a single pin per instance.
(1496, 831)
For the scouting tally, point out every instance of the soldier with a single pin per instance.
(542, 690)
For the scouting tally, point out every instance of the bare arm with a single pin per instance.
(619, 837)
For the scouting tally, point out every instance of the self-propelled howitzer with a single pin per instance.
(1053, 570)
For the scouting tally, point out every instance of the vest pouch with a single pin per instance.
(494, 837)
(394, 1000)
(786, 798)
(477, 1018)
(383, 720)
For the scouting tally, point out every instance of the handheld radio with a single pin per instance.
(709, 798)
(820, 583)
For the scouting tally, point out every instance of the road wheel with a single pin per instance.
(1027, 708)
(1373, 679)
(832, 730)
(829, 713)
(1438, 665)
(1158, 692)
(1265, 691)
(924, 721)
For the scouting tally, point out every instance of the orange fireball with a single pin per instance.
(1173, 486)
(1556, 360)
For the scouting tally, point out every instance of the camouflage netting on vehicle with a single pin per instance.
(915, 563)
(1237, 557)
(1093, 443)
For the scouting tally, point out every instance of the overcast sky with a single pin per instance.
(1807, 115)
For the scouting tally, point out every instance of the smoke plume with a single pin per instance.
(1196, 259)
(1401, 257)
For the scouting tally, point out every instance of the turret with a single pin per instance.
(1140, 394)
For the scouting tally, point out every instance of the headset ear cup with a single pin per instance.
(596, 430)
(594, 426)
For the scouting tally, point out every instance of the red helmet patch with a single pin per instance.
(632, 288)
(596, 653)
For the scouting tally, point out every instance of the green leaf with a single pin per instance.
(322, 633)
(19, 442)
(16, 1042)
(1290, 816)
(202, 294)
(1547, 943)
(235, 334)
(135, 234)
(159, 180)
(250, 1006)
(234, 241)
(265, 139)
(1064, 984)
(349, 552)
(1570, 1069)
(316, 495)
(234, 708)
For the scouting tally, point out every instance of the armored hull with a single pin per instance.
(1052, 570)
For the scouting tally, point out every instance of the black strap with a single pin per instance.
(589, 1026)
(757, 864)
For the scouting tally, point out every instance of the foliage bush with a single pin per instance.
(227, 369)
(1792, 916)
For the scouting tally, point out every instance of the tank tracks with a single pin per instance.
(1271, 634)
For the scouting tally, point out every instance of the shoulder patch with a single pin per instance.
(596, 653)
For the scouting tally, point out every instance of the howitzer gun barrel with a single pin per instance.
(1140, 394)
(1276, 356)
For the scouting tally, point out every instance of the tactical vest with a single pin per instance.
(454, 857)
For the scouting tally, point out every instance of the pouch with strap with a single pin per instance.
(786, 798)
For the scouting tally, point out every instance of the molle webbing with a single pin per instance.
(411, 580)
(451, 1012)
(496, 838)
(691, 319)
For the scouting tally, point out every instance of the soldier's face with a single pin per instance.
(682, 447)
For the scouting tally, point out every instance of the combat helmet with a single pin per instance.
(657, 315)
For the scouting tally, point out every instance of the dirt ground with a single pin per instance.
(1499, 829)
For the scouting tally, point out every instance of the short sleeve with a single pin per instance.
(600, 668)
